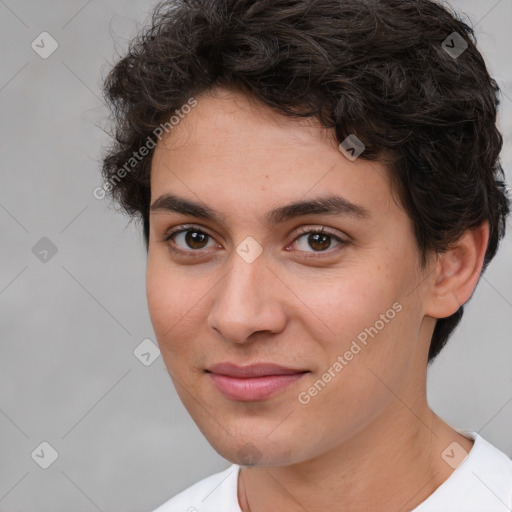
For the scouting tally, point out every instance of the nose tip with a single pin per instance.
(245, 302)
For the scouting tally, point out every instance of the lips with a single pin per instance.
(252, 382)
(253, 370)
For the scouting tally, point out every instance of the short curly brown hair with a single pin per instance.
(380, 69)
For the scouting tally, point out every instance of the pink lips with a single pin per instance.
(253, 382)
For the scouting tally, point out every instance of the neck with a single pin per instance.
(391, 465)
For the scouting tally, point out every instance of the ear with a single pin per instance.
(457, 272)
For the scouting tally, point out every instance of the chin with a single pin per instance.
(252, 451)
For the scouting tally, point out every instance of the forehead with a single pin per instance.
(232, 148)
(224, 116)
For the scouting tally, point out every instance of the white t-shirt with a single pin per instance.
(481, 483)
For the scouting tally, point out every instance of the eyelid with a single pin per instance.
(185, 227)
(322, 229)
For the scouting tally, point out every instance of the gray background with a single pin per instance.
(69, 326)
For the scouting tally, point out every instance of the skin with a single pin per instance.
(368, 440)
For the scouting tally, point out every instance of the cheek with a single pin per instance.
(160, 297)
(366, 345)
(177, 300)
(364, 313)
(351, 299)
(170, 301)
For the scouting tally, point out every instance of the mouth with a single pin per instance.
(253, 382)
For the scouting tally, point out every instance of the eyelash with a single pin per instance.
(168, 240)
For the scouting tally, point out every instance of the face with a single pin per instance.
(342, 309)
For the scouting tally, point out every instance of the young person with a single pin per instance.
(320, 190)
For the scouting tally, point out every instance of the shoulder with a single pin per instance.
(483, 481)
(211, 494)
(492, 460)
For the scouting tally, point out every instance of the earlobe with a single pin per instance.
(457, 272)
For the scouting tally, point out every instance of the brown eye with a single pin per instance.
(188, 239)
(319, 240)
(195, 239)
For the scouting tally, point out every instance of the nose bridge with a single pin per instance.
(244, 302)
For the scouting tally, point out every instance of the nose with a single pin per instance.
(248, 300)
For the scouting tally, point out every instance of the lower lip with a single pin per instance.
(256, 388)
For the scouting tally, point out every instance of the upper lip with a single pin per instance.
(253, 370)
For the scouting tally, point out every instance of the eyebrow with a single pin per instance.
(330, 205)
